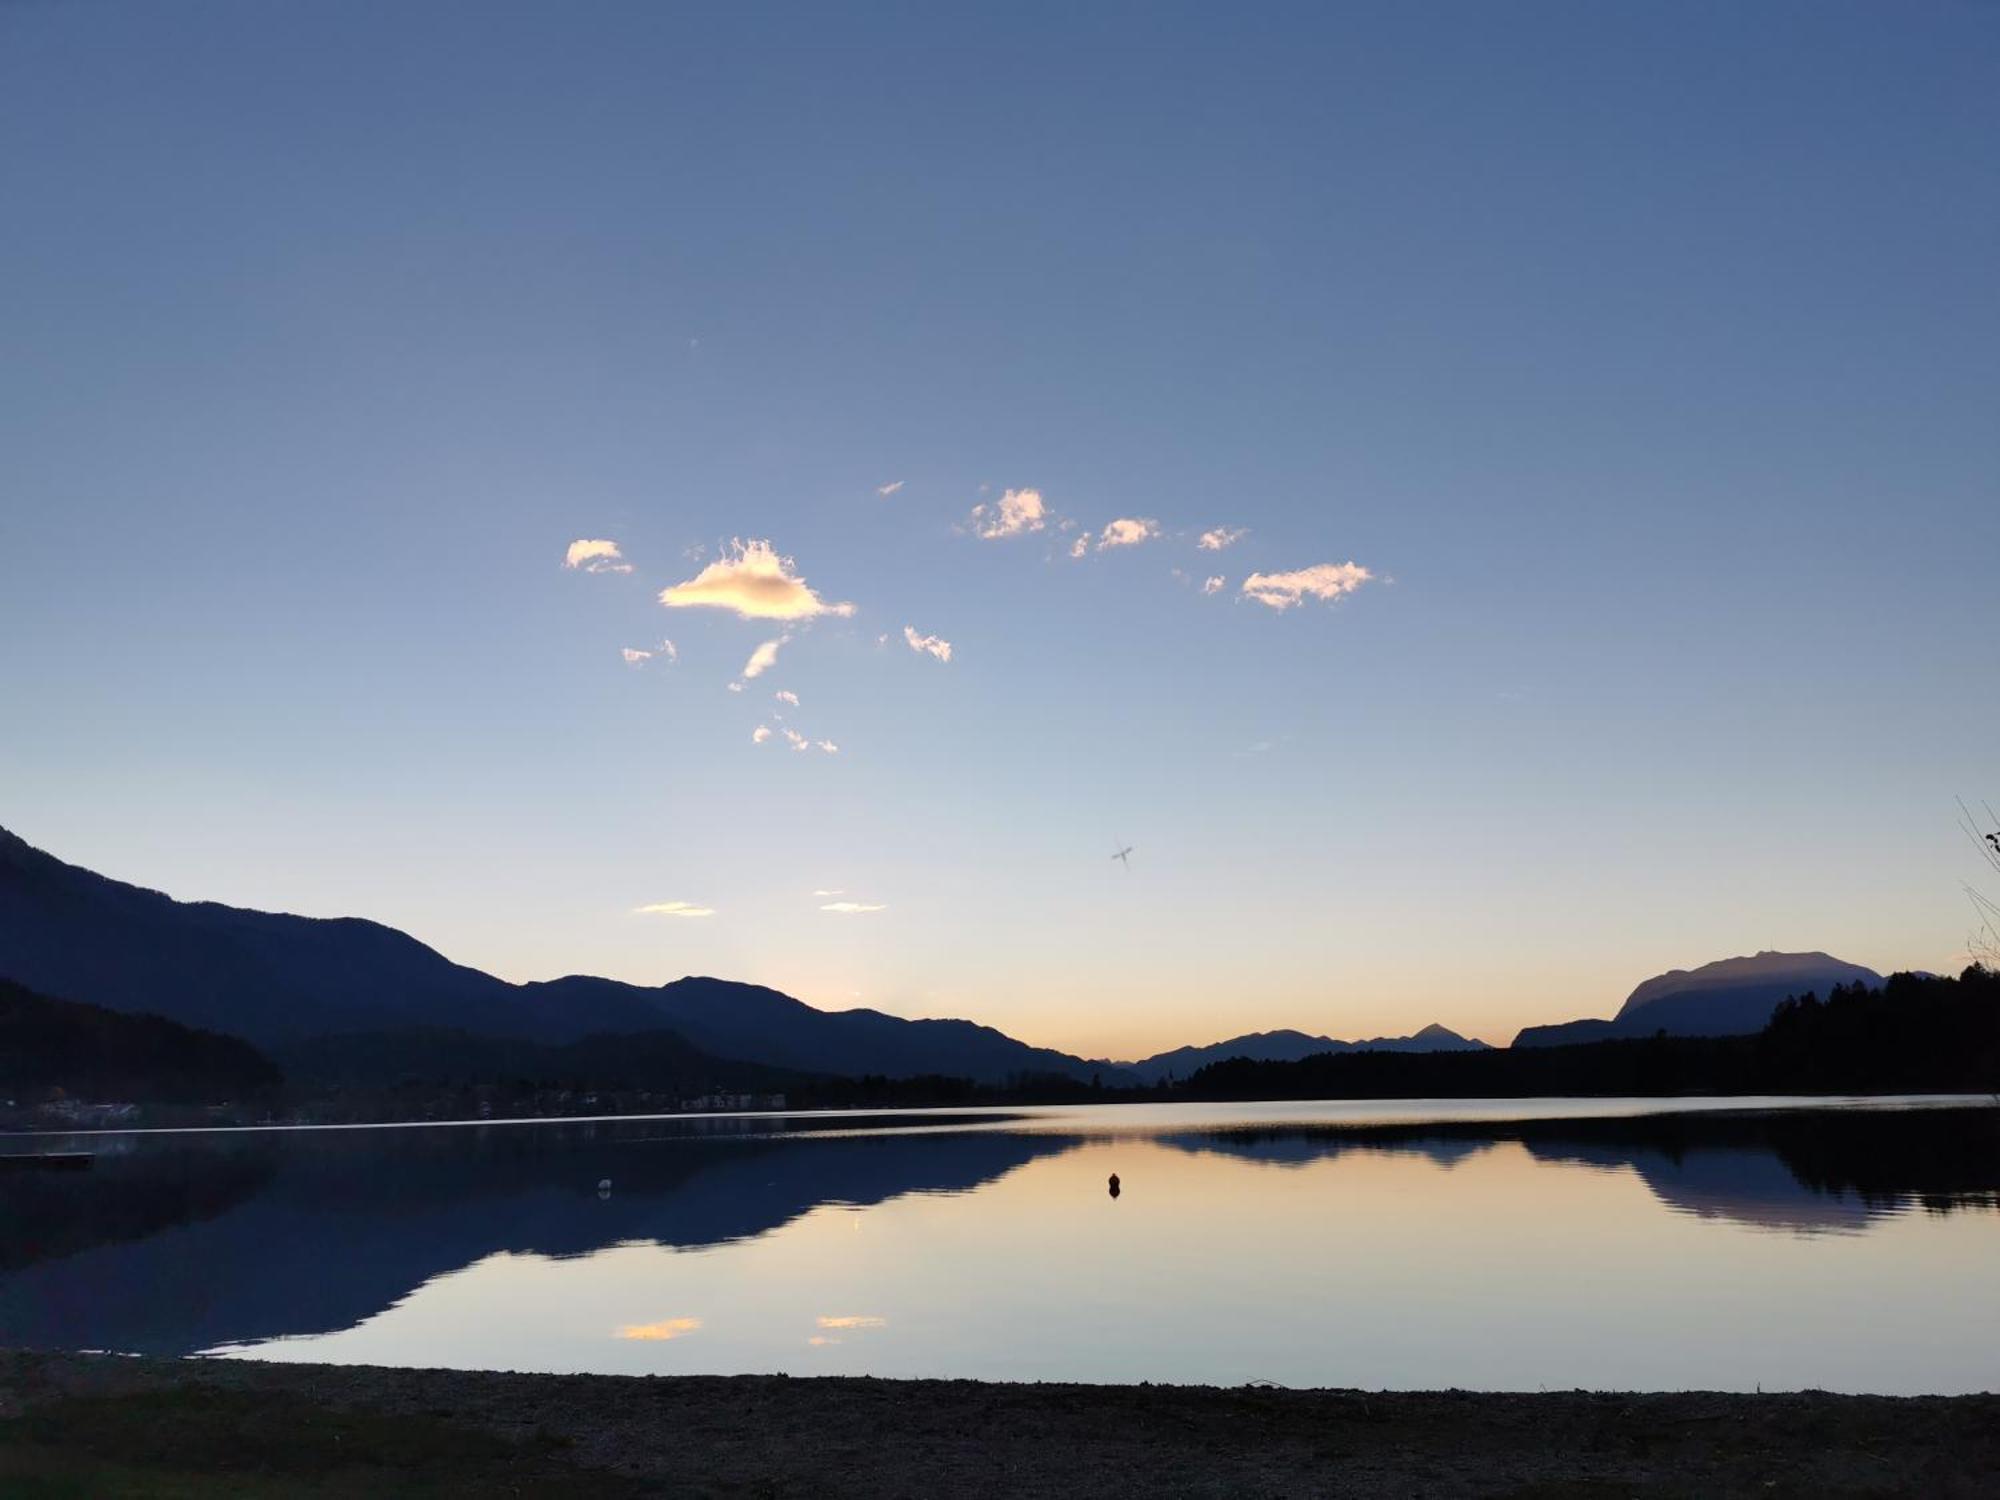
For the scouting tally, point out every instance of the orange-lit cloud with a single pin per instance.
(595, 555)
(1327, 581)
(786, 695)
(760, 734)
(852, 1322)
(666, 1328)
(1128, 531)
(1015, 513)
(1220, 537)
(674, 909)
(935, 645)
(756, 583)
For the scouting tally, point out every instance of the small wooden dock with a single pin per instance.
(46, 1161)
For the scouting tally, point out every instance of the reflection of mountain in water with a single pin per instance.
(1807, 1170)
(183, 1243)
(259, 1237)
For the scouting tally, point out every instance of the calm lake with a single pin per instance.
(1632, 1244)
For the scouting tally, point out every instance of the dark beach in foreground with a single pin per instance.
(101, 1425)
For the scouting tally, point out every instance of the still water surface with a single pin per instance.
(1499, 1245)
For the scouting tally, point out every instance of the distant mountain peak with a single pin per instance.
(1286, 1045)
(1725, 997)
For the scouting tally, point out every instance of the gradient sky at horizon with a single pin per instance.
(1646, 357)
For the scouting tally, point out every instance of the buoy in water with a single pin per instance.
(1114, 1184)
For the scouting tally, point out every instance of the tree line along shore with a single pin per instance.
(64, 1064)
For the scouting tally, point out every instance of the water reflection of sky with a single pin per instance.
(1726, 1252)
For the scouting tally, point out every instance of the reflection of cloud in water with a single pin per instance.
(666, 1328)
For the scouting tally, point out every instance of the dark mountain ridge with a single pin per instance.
(1290, 1046)
(278, 980)
(1730, 997)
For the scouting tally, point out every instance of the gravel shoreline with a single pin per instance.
(836, 1436)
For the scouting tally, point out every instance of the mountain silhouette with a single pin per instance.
(278, 979)
(1730, 997)
(1289, 1046)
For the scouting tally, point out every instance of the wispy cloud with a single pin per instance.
(595, 555)
(1328, 581)
(886, 490)
(1220, 537)
(1128, 531)
(848, 909)
(786, 695)
(633, 657)
(934, 645)
(674, 909)
(763, 658)
(1015, 513)
(666, 1328)
(1213, 584)
(1080, 547)
(752, 580)
(853, 1322)
(835, 892)
(805, 742)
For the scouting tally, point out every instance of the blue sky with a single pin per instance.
(1645, 357)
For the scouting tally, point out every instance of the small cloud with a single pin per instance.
(633, 657)
(1080, 547)
(886, 490)
(933, 645)
(1214, 584)
(803, 743)
(848, 909)
(670, 651)
(1222, 536)
(763, 658)
(830, 893)
(786, 695)
(666, 1328)
(1128, 531)
(752, 580)
(674, 909)
(760, 734)
(1014, 514)
(821, 1341)
(735, 687)
(1328, 581)
(595, 556)
(852, 1322)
